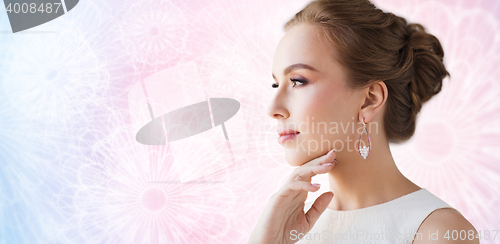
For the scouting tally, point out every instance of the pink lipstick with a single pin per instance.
(286, 135)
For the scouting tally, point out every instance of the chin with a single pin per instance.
(295, 158)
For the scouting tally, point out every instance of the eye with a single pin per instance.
(298, 80)
(274, 85)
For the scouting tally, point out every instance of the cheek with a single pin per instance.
(324, 105)
(321, 109)
(332, 116)
(324, 110)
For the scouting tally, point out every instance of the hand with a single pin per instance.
(285, 209)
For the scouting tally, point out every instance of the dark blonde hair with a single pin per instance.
(374, 45)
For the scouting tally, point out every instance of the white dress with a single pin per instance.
(395, 221)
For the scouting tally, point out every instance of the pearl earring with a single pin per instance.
(364, 151)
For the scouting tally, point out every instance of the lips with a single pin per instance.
(282, 132)
(286, 135)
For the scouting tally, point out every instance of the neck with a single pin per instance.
(359, 183)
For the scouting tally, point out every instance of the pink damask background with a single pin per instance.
(74, 93)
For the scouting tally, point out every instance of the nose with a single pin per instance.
(276, 109)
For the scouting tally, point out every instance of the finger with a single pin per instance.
(306, 172)
(298, 173)
(318, 208)
(327, 158)
(295, 186)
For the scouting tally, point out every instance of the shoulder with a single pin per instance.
(439, 226)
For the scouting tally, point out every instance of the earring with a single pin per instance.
(365, 150)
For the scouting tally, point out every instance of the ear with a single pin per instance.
(374, 97)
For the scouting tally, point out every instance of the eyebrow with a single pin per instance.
(296, 66)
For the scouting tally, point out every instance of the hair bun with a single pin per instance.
(427, 63)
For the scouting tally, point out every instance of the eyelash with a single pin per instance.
(298, 80)
(292, 80)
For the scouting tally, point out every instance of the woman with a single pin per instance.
(345, 69)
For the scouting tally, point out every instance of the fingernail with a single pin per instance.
(316, 185)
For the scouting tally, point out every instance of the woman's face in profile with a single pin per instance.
(318, 103)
